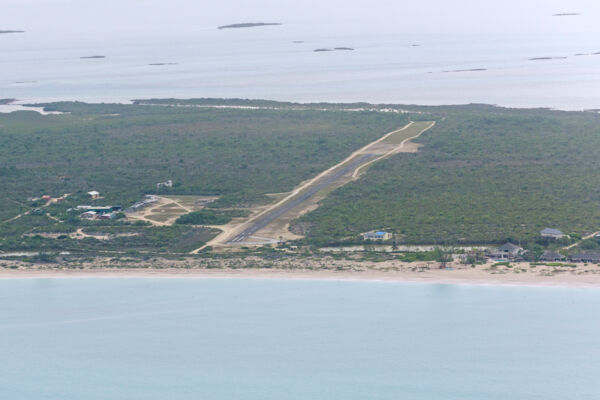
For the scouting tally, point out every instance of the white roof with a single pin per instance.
(93, 193)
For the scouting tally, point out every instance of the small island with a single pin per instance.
(334, 49)
(159, 64)
(4, 102)
(9, 31)
(565, 14)
(466, 70)
(547, 58)
(91, 57)
(248, 25)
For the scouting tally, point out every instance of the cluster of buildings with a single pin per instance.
(512, 252)
(97, 212)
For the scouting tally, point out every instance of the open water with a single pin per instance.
(109, 338)
(427, 52)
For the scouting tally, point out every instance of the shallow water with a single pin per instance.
(97, 338)
(44, 63)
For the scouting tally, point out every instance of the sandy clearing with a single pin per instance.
(168, 209)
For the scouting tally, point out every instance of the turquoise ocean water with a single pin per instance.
(272, 339)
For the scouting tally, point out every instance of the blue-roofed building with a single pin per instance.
(377, 235)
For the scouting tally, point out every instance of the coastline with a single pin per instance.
(463, 276)
(128, 100)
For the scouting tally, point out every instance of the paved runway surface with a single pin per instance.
(300, 198)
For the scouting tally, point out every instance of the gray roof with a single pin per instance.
(509, 247)
(551, 231)
(586, 256)
(551, 255)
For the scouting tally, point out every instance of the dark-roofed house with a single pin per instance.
(552, 233)
(592, 257)
(551, 256)
(507, 251)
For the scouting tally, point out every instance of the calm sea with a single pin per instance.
(418, 53)
(219, 339)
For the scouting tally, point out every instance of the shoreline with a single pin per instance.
(128, 101)
(436, 277)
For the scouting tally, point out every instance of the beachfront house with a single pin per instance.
(552, 233)
(591, 257)
(377, 235)
(507, 251)
(551, 256)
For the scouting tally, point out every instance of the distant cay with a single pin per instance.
(466, 70)
(248, 25)
(547, 58)
(334, 49)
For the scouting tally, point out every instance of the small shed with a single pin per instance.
(168, 184)
(94, 194)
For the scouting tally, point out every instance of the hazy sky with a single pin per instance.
(180, 16)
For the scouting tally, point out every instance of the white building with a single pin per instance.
(377, 235)
(168, 183)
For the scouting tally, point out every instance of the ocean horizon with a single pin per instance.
(556, 66)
